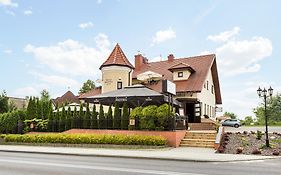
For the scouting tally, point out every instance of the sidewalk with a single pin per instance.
(181, 154)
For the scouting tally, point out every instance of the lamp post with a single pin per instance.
(265, 94)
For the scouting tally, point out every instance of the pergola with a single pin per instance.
(134, 96)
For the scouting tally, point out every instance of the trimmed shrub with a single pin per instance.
(147, 120)
(125, 116)
(109, 118)
(9, 121)
(117, 117)
(87, 139)
(94, 123)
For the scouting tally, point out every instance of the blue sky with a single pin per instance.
(56, 45)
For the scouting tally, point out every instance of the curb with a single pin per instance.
(134, 157)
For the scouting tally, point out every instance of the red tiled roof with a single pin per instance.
(92, 92)
(117, 57)
(201, 65)
(68, 97)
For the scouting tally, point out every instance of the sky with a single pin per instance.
(58, 45)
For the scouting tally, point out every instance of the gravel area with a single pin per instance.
(250, 143)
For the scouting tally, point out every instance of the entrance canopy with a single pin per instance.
(136, 95)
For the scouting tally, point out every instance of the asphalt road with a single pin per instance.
(253, 128)
(43, 164)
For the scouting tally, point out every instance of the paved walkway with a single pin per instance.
(183, 154)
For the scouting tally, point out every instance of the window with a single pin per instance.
(207, 85)
(212, 89)
(119, 85)
(180, 74)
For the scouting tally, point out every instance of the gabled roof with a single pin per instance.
(92, 92)
(68, 97)
(181, 65)
(117, 57)
(201, 65)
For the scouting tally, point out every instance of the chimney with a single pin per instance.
(139, 61)
(171, 57)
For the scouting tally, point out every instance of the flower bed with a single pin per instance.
(250, 143)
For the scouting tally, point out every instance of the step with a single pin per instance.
(198, 141)
(194, 145)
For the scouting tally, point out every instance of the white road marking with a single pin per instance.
(99, 168)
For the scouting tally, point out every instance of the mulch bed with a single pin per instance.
(248, 143)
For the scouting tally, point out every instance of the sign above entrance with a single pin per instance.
(168, 87)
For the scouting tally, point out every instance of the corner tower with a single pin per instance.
(116, 71)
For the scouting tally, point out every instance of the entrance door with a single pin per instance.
(189, 110)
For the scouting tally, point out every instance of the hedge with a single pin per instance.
(87, 139)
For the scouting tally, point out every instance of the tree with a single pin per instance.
(125, 116)
(87, 86)
(230, 114)
(248, 120)
(102, 119)
(87, 118)
(4, 105)
(45, 96)
(109, 118)
(273, 111)
(117, 117)
(74, 118)
(81, 116)
(94, 123)
(68, 118)
(62, 119)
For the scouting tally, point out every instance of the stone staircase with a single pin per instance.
(204, 139)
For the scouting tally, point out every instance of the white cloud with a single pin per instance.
(163, 35)
(56, 80)
(224, 36)
(8, 51)
(8, 3)
(73, 57)
(237, 57)
(27, 12)
(25, 91)
(86, 25)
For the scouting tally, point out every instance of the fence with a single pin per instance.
(172, 123)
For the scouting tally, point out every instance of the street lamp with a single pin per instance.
(265, 94)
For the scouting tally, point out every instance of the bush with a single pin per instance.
(87, 139)
(259, 134)
(9, 121)
(147, 120)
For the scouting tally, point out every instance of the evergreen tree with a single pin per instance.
(68, 119)
(94, 123)
(62, 119)
(56, 121)
(87, 118)
(38, 110)
(74, 118)
(102, 121)
(50, 117)
(125, 116)
(4, 104)
(109, 118)
(117, 117)
(81, 116)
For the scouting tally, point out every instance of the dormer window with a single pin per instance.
(180, 74)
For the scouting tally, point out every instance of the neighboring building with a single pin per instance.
(196, 79)
(19, 103)
(66, 98)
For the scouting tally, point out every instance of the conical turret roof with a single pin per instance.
(117, 57)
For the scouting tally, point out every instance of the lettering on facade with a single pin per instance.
(108, 81)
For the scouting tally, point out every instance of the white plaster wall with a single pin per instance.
(207, 97)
